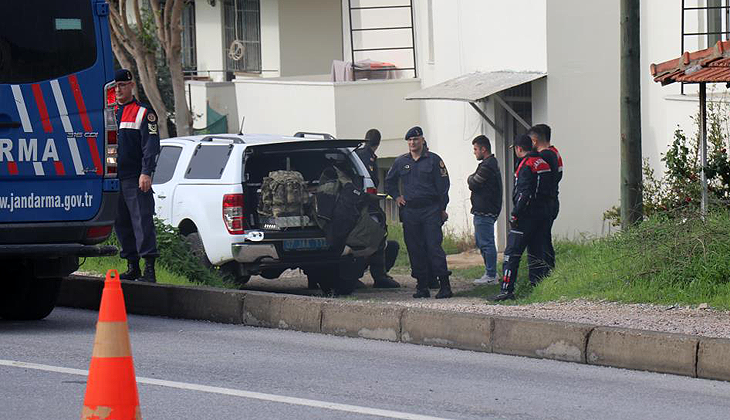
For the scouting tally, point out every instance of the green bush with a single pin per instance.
(669, 258)
(177, 258)
(680, 187)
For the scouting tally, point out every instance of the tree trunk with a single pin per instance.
(631, 186)
(169, 33)
(126, 40)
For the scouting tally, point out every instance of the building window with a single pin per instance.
(242, 26)
(189, 58)
(431, 53)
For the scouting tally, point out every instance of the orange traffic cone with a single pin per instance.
(111, 389)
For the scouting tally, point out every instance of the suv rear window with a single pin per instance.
(208, 162)
(166, 164)
(42, 39)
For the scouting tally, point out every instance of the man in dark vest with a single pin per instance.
(378, 269)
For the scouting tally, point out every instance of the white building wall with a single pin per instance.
(209, 38)
(310, 36)
(294, 106)
(270, 41)
(583, 100)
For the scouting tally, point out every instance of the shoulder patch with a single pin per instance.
(151, 117)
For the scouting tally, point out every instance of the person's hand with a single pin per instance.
(444, 216)
(513, 221)
(145, 182)
(400, 201)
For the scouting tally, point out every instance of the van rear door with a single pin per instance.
(53, 70)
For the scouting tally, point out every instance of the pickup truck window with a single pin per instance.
(208, 162)
(166, 164)
(41, 39)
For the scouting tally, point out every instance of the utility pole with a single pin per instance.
(631, 187)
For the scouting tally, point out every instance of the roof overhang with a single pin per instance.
(478, 86)
(711, 65)
(474, 87)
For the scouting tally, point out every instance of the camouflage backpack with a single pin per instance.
(283, 193)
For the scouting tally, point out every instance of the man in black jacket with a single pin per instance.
(530, 214)
(540, 135)
(486, 203)
(377, 261)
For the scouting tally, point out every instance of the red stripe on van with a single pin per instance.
(59, 168)
(80, 102)
(13, 168)
(79, 97)
(95, 155)
(42, 110)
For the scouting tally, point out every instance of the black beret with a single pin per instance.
(414, 132)
(123, 75)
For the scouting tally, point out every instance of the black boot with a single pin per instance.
(385, 282)
(149, 271)
(422, 289)
(433, 283)
(133, 272)
(445, 291)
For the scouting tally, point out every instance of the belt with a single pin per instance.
(419, 203)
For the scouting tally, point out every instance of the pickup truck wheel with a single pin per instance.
(29, 299)
(196, 246)
(232, 269)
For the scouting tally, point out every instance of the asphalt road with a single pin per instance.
(202, 370)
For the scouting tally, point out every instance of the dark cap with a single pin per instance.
(123, 75)
(414, 132)
(524, 141)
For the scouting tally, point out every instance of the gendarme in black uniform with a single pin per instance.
(138, 146)
(529, 217)
(425, 189)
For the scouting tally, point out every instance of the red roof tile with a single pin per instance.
(708, 65)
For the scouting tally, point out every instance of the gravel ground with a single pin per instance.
(675, 319)
(699, 320)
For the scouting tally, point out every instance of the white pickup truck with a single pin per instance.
(208, 187)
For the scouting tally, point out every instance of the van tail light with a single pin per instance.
(233, 214)
(110, 131)
(98, 233)
(371, 190)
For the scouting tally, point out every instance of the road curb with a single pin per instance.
(439, 328)
(713, 359)
(643, 350)
(679, 354)
(539, 338)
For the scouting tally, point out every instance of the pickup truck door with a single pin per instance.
(163, 186)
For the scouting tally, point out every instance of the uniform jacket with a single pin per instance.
(533, 179)
(138, 140)
(486, 188)
(425, 181)
(370, 159)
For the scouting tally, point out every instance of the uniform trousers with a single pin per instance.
(423, 237)
(530, 234)
(134, 224)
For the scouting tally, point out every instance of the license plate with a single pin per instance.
(310, 244)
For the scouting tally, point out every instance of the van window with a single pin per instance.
(42, 39)
(208, 162)
(166, 164)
